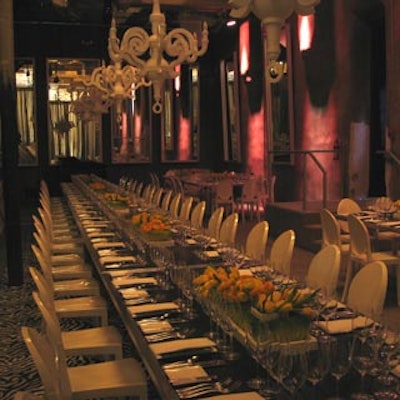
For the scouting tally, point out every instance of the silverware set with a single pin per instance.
(201, 389)
(166, 335)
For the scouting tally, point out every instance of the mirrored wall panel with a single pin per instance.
(230, 98)
(180, 119)
(74, 124)
(131, 130)
(26, 111)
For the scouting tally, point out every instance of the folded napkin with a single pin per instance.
(236, 396)
(344, 325)
(133, 293)
(173, 346)
(390, 223)
(132, 281)
(107, 245)
(154, 326)
(99, 234)
(153, 307)
(115, 259)
(96, 224)
(211, 254)
(186, 375)
(190, 241)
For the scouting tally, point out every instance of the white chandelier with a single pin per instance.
(273, 14)
(179, 45)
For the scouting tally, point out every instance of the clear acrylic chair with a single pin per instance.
(223, 195)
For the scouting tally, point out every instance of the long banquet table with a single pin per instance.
(126, 263)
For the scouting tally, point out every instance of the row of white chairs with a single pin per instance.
(66, 288)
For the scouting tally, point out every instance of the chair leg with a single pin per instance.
(349, 275)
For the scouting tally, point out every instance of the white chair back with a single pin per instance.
(174, 206)
(227, 233)
(330, 228)
(280, 256)
(184, 213)
(197, 216)
(323, 271)
(347, 206)
(214, 223)
(368, 288)
(256, 241)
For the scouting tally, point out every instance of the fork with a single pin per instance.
(201, 390)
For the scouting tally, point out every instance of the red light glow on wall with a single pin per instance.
(184, 139)
(137, 134)
(256, 144)
(305, 26)
(320, 132)
(124, 134)
(244, 47)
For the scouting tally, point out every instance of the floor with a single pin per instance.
(17, 372)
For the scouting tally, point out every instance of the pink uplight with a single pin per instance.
(184, 139)
(256, 143)
(244, 47)
(305, 24)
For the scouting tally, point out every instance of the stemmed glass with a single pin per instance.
(292, 368)
(362, 362)
(254, 340)
(319, 360)
(340, 353)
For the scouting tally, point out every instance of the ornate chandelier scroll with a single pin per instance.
(273, 14)
(178, 45)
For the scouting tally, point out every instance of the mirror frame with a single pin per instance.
(27, 148)
(177, 94)
(230, 103)
(139, 130)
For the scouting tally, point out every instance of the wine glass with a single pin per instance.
(254, 339)
(340, 360)
(319, 360)
(293, 368)
(362, 361)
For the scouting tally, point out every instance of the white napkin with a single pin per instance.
(116, 258)
(211, 253)
(185, 375)
(181, 344)
(190, 241)
(95, 224)
(236, 396)
(154, 326)
(132, 281)
(344, 325)
(148, 308)
(107, 245)
(99, 234)
(133, 293)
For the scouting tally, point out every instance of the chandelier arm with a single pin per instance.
(240, 8)
(135, 43)
(183, 45)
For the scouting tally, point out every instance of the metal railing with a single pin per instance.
(310, 154)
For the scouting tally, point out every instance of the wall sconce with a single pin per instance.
(273, 14)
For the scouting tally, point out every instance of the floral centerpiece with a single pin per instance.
(154, 226)
(285, 312)
(116, 200)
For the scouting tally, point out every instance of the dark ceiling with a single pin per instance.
(126, 12)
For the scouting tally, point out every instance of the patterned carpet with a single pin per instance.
(17, 308)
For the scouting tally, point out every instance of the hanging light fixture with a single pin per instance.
(273, 14)
(179, 46)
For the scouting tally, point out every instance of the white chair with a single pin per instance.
(197, 216)
(174, 206)
(223, 195)
(156, 202)
(368, 288)
(362, 254)
(323, 271)
(64, 286)
(117, 378)
(345, 207)
(331, 231)
(256, 241)
(102, 340)
(227, 233)
(186, 207)
(281, 253)
(76, 307)
(249, 200)
(214, 223)
(166, 200)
